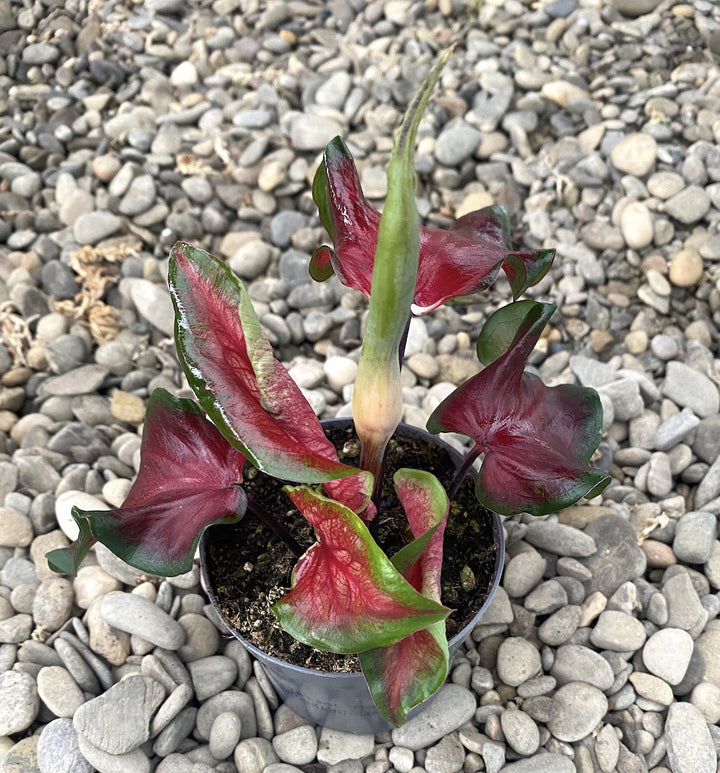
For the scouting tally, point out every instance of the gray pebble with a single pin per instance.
(136, 615)
(253, 755)
(618, 557)
(134, 761)
(58, 750)
(118, 721)
(578, 663)
(456, 143)
(212, 675)
(53, 603)
(546, 598)
(684, 608)
(19, 703)
(225, 734)
(175, 732)
(298, 746)
(232, 700)
(451, 707)
(559, 539)
(675, 429)
(523, 572)
(691, 389)
(517, 661)
(520, 731)
(695, 535)
(92, 227)
(542, 763)
(690, 746)
(580, 709)
(58, 691)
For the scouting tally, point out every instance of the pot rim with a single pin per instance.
(454, 642)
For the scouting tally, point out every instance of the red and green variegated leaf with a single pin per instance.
(321, 263)
(537, 440)
(68, 560)
(346, 595)
(348, 217)
(321, 194)
(354, 492)
(426, 507)
(189, 478)
(462, 260)
(525, 269)
(405, 673)
(501, 327)
(452, 263)
(229, 364)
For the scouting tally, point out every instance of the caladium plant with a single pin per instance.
(347, 595)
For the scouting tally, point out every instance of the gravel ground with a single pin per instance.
(124, 126)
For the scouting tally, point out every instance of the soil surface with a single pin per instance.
(250, 567)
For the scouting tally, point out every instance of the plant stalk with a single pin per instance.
(463, 471)
(273, 523)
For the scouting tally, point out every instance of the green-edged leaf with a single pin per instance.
(525, 269)
(230, 366)
(501, 327)
(68, 560)
(346, 595)
(321, 263)
(189, 478)
(320, 191)
(407, 672)
(537, 440)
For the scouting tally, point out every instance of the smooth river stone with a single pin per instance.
(136, 615)
(118, 721)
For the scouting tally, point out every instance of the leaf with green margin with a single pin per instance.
(501, 327)
(68, 560)
(537, 440)
(525, 269)
(321, 194)
(346, 595)
(188, 479)
(321, 263)
(452, 263)
(406, 673)
(229, 364)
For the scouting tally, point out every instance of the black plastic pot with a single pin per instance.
(342, 701)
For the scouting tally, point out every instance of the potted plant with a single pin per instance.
(364, 583)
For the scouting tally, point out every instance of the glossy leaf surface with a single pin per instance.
(230, 366)
(188, 479)
(537, 440)
(346, 595)
(452, 263)
(407, 672)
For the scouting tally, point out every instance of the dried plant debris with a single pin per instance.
(97, 268)
(15, 332)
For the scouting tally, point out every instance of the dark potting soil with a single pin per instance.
(249, 567)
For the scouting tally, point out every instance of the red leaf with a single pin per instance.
(537, 440)
(188, 479)
(405, 673)
(246, 392)
(452, 262)
(346, 595)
